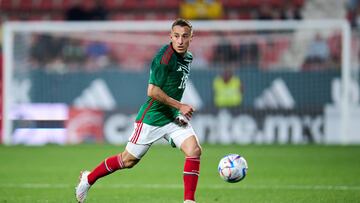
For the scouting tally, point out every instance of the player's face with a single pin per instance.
(181, 38)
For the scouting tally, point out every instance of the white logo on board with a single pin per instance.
(277, 96)
(96, 96)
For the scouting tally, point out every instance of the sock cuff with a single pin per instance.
(107, 166)
(192, 166)
(114, 163)
(121, 162)
(189, 158)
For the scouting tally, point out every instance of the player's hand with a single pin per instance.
(187, 111)
(181, 120)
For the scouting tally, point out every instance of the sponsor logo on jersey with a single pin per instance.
(182, 67)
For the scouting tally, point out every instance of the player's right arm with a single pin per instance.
(158, 94)
(159, 71)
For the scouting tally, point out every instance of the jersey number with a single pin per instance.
(183, 81)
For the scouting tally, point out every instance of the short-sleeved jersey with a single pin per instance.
(169, 71)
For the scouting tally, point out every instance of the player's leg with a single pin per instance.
(108, 166)
(184, 138)
(112, 164)
(139, 143)
(192, 151)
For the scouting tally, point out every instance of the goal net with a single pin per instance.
(251, 81)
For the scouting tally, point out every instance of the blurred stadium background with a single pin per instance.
(258, 76)
(285, 85)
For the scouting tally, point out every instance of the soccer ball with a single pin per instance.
(232, 168)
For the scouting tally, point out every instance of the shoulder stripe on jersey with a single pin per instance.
(167, 55)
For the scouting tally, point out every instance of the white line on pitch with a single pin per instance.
(179, 186)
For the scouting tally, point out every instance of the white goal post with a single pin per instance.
(297, 27)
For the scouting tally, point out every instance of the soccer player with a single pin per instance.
(163, 115)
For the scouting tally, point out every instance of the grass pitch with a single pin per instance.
(276, 174)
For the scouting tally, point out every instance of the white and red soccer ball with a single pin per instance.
(232, 168)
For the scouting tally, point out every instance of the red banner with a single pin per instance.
(85, 126)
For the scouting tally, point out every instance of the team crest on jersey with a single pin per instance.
(182, 67)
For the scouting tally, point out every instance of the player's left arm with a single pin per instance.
(158, 94)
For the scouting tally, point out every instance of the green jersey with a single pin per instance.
(169, 71)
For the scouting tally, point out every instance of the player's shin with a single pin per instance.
(110, 165)
(190, 177)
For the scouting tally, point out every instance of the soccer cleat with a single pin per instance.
(83, 187)
(189, 201)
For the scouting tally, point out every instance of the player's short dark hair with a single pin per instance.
(182, 22)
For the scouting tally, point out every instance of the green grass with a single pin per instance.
(276, 174)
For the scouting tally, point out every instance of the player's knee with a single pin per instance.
(191, 147)
(194, 151)
(131, 163)
(197, 151)
(129, 160)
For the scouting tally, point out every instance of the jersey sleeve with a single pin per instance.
(158, 73)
